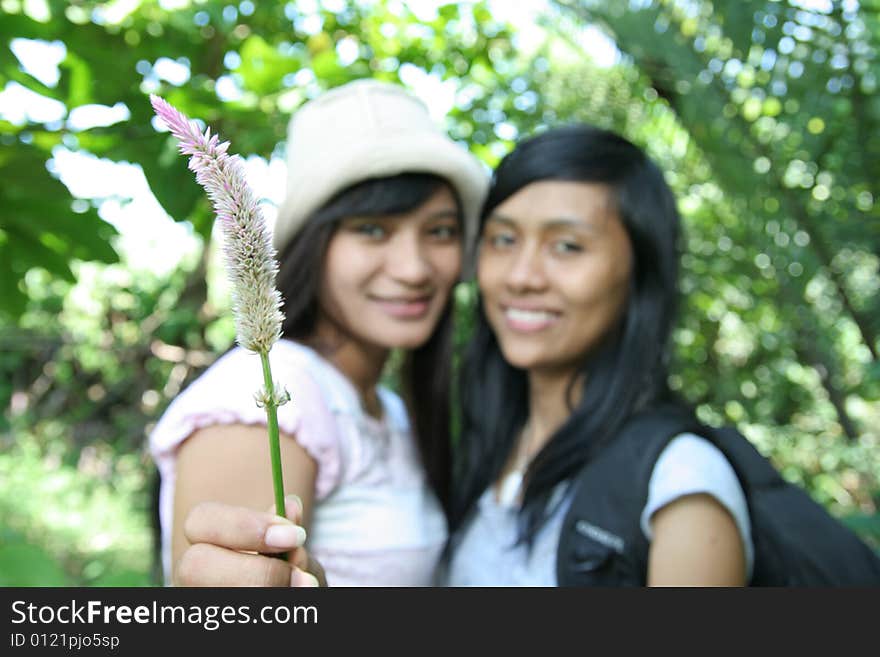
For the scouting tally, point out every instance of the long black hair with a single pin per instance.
(627, 371)
(425, 375)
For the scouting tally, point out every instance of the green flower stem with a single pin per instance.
(274, 442)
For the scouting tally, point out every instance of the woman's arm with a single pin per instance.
(695, 543)
(222, 490)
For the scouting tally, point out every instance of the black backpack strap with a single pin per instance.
(601, 542)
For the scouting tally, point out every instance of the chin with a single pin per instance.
(395, 337)
(409, 345)
(522, 358)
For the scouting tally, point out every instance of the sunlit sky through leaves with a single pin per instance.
(149, 237)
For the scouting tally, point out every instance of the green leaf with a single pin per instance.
(172, 183)
(12, 300)
(77, 78)
(326, 64)
(738, 22)
(263, 67)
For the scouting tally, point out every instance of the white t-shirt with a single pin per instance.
(375, 520)
(488, 553)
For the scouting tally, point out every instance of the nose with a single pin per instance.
(406, 260)
(526, 273)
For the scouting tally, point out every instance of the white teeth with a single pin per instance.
(529, 316)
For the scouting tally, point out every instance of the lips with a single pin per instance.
(529, 320)
(404, 308)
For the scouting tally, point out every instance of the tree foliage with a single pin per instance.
(781, 278)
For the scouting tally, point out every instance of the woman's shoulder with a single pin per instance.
(239, 368)
(690, 454)
(690, 464)
(225, 395)
(225, 392)
(291, 362)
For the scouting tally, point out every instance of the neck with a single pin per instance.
(548, 410)
(361, 363)
(548, 405)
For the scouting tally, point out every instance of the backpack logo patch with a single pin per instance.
(602, 536)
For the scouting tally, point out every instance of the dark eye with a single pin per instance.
(445, 232)
(566, 247)
(500, 240)
(373, 231)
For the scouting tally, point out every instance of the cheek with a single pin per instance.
(335, 296)
(337, 251)
(346, 262)
(620, 280)
(446, 265)
(343, 271)
(603, 301)
(488, 274)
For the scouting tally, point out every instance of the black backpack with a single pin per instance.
(797, 543)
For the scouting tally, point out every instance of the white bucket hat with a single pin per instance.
(369, 129)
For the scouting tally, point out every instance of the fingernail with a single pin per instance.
(285, 536)
(302, 578)
(295, 500)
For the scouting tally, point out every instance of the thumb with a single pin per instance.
(305, 570)
(293, 509)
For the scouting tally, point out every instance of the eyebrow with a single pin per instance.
(552, 222)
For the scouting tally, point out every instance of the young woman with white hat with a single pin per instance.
(380, 205)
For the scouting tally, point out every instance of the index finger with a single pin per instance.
(240, 528)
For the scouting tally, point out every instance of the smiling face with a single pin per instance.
(387, 278)
(554, 270)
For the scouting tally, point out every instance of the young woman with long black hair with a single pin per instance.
(577, 272)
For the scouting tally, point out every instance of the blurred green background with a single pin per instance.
(764, 115)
